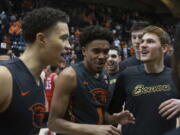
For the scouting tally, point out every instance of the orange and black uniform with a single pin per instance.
(89, 100)
(26, 112)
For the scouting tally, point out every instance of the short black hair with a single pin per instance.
(137, 26)
(40, 20)
(92, 33)
(115, 48)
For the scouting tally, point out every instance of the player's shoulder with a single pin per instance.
(136, 69)
(4, 73)
(5, 88)
(68, 73)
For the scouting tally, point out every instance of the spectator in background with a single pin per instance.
(4, 55)
(136, 38)
(49, 83)
(68, 55)
(116, 42)
(112, 66)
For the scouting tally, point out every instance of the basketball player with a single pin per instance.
(81, 91)
(22, 100)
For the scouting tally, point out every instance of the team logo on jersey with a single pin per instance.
(141, 89)
(100, 96)
(38, 115)
(24, 93)
(113, 81)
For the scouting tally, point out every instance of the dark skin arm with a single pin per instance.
(65, 84)
(123, 117)
(5, 88)
(60, 101)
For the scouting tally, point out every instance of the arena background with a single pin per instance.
(117, 15)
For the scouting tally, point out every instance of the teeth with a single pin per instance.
(145, 52)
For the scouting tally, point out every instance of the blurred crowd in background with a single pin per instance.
(81, 15)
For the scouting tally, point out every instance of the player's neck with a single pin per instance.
(152, 67)
(89, 69)
(31, 60)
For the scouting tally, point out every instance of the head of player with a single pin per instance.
(95, 42)
(46, 33)
(154, 45)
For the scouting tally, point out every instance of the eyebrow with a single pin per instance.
(148, 39)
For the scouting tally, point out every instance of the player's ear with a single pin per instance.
(165, 48)
(40, 38)
(83, 49)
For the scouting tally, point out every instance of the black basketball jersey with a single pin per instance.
(143, 93)
(89, 100)
(26, 112)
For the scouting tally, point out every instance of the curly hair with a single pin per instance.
(41, 20)
(92, 33)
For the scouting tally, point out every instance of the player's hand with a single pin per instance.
(169, 108)
(103, 130)
(124, 117)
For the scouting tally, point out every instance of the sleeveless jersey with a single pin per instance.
(89, 100)
(26, 112)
